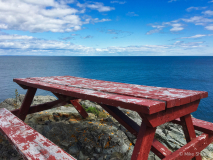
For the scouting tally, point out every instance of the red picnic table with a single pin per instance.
(155, 105)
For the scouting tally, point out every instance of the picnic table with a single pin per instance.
(155, 105)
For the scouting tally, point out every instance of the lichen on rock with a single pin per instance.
(94, 138)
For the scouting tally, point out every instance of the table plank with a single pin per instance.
(172, 97)
(129, 102)
(28, 142)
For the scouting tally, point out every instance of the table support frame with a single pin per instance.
(144, 133)
(189, 131)
(26, 103)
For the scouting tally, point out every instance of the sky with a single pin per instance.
(106, 27)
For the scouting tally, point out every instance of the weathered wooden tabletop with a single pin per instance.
(145, 99)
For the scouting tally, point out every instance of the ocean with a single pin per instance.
(193, 73)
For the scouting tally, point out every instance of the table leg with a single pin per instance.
(159, 149)
(26, 103)
(79, 108)
(189, 131)
(144, 142)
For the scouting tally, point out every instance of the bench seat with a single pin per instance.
(200, 125)
(28, 142)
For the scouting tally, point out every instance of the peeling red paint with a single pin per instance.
(46, 144)
(156, 106)
(173, 97)
(129, 102)
(31, 144)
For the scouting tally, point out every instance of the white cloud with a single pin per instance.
(119, 2)
(38, 44)
(95, 6)
(3, 26)
(198, 20)
(154, 31)
(157, 30)
(130, 49)
(119, 33)
(88, 36)
(43, 3)
(195, 36)
(131, 14)
(172, 1)
(27, 45)
(209, 27)
(14, 37)
(99, 6)
(44, 16)
(195, 8)
(190, 45)
(96, 20)
(176, 27)
(211, 1)
(58, 12)
(208, 12)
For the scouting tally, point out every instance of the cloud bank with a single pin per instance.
(28, 45)
(48, 15)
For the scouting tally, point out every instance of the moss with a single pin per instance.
(91, 110)
(102, 115)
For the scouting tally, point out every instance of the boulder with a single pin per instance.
(93, 138)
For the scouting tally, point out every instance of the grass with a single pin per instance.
(95, 111)
(91, 109)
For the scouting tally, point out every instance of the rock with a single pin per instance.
(74, 150)
(42, 99)
(82, 156)
(132, 114)
(9, 103)
(92, 138)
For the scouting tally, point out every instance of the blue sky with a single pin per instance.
(106, 28)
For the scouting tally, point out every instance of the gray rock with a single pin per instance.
(82, 156)
(73, 150)
(9, 103)
(87, 103)
(92, 138)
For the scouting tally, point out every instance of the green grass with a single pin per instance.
(92, 110)
(95, 111)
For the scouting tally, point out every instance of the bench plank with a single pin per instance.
(129, 102)
(173, 97)
(191, 149)
(200, 125)
(29, 143)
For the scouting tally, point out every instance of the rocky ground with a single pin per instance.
(99, 137)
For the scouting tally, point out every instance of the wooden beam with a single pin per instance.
(191, 149)
(79, 108)
(144, 142)
(200, 125)
(159, 149)
(26, 103)
(28, 142)
(140, 104)
(189, 131)
(169, 114)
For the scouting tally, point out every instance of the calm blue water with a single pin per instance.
(194, 73)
